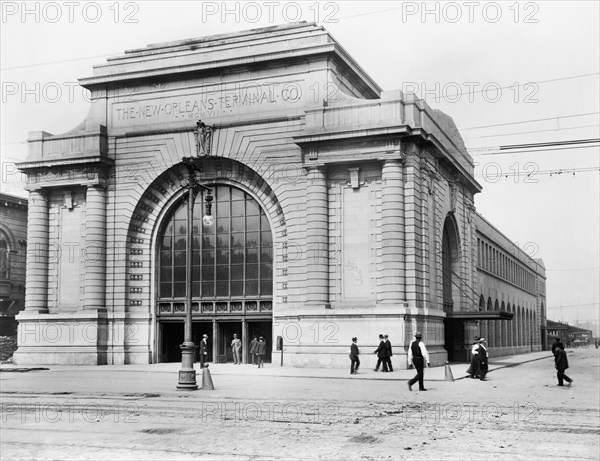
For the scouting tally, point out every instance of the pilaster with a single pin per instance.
(95, 248)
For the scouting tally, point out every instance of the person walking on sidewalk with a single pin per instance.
(354, 360)
(482, 357)
(561, 364)
(381, 352)
(253, 345)
(236, 348)
(474, 369)
(388, 355)
(418, 356)
(261, 349)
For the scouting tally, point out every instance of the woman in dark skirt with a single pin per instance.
(474, 369)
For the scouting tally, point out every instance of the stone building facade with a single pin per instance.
(13, 248)
(339, 210)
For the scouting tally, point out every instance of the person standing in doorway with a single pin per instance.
(381, 352)
(261, 350)
(418, 356)
(388, 355)
(354, 353)
(253, 344)
(236, 348)
(203, 351)
(561, 364)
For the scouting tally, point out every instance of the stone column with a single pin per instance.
(36, 284)
(95, 248)
(392, 233)
(215, 340)
(245, 341)
(413, 258)
(317, 239)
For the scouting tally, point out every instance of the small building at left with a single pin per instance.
(13, 249)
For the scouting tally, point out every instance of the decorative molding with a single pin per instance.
(453, 186)
(354, 177)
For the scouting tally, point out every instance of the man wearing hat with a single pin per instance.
(388, 355)
(261, 350)
(418, 356)
(381, 352)
(203, 350)
(354, 353)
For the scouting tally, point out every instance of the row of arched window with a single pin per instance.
(522, 330)
(497, 262)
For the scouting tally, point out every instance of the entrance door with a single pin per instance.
(454, 332)
(264, 329)
(172, 334)
(226, 332)
(198, 330)
(172, 338)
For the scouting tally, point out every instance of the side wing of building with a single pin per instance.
(510, 280)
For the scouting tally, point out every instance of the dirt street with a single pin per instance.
(519, 413)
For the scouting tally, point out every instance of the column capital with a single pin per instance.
(400, 160)
(315, 167)
(99, 186)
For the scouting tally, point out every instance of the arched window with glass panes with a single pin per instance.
(232, 260)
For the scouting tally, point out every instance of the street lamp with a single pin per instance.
(187, 373)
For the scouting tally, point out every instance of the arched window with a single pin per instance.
(4, 257)
(233, 258)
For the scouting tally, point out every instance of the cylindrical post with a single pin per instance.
(187, 373)
(392, 233)
(36, 284)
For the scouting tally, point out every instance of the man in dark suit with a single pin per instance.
(203, 350)
(354, 353)
(388, 358)
(561, 364)
(261, 350)
(253, 344)
(418, 356)
(381, 352)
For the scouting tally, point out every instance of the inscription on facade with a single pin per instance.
(247, 97)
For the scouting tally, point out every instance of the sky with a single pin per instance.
(508, 73)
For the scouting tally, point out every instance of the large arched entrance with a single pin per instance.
(232, 275)
(454, 334)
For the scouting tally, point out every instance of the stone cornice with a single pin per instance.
(87, 171)
(242, 49)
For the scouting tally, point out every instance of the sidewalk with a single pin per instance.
(108, 377)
